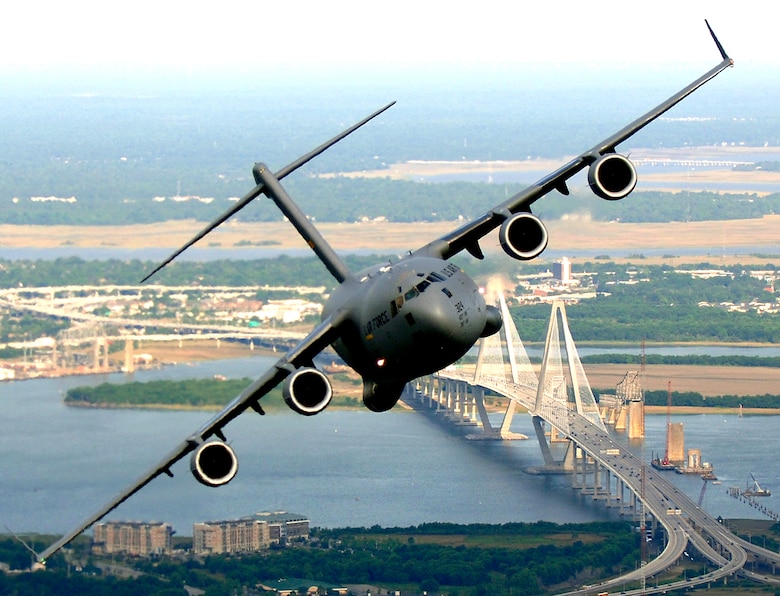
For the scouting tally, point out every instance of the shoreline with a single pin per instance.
(601, 376)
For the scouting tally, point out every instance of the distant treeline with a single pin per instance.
(688, 359)
(189, 393)
(694, 399)
(69, 271)
(352, 199)
(193, 393)
(212, 393)
(538, 528)
(523, 558)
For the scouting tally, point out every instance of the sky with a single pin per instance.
(85, 34)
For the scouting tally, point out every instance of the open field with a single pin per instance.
(707, 380)
(567, 234)
(681, 180)
(198, 351)
(570, 234)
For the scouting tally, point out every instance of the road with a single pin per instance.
(684, 522)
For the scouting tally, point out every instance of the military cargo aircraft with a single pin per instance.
(398, 320)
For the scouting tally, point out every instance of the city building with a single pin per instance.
(284, 527)
(562, 271)
(132, 538)
(248, 534)
(230, 536)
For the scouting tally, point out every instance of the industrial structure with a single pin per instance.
(625, 409)
(104, 320)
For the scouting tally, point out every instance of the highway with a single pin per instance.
(76, 303)
(684, 522)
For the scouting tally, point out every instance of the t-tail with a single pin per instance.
(275, 191)
(306, 229)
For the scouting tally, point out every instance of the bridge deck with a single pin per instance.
(687, 523)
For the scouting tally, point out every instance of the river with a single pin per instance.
(340, 468)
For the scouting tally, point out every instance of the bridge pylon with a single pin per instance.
(563, 388)
(563, 385)
(503, 360)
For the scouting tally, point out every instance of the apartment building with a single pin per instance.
(248, 534)
(132, 538)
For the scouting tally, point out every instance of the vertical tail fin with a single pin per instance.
(274, 190)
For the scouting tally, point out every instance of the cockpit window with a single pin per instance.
(413, 292)
(395, 305)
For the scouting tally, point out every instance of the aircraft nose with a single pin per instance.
(454, 324)
(493, 321)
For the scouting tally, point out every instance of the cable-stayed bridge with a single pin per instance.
(563, 408)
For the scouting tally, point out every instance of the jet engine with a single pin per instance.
(380, 397)
(523, 236)
(612, 176)
(307, 391)
(214, 463)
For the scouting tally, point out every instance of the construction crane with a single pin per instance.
(756, 491)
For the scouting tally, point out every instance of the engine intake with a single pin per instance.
(523, 236)
(214, 463)
(307, 391)
(612, 176)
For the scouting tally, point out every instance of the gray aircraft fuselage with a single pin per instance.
(409, 318)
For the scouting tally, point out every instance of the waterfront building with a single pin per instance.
(132, 538)
(284, 526)
(248, 534)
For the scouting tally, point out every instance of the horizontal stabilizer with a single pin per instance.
(258, 190)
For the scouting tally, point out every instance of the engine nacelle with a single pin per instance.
(214, 463)
(612, 176)
(523, 236)
(307, 391)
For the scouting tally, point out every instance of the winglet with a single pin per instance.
(723, 53)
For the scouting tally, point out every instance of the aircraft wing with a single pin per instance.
(468, 236)
(301, 355)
